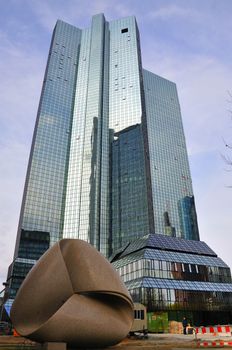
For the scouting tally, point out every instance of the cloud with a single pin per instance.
(47, 13)
(202, 83)
(213, 202)
(174, 11)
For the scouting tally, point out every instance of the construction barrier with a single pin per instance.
(208, 336)
(223, 331)
(216, 343)
(15, 333)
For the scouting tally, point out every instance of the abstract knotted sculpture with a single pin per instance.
(73, 295)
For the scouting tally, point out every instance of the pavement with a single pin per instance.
(154, 341)
(159, 341)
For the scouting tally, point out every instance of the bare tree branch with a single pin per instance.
(226, 144)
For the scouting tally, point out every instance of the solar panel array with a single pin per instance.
(137, 244)
(118, 252)
(168, 243)
(180, 244)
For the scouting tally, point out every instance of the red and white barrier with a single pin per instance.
(206, 336)
(224, 331)
(216, 343)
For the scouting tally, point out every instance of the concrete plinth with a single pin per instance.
(54, 346)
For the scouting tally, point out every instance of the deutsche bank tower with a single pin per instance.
(108, 162)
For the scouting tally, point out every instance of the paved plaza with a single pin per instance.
(154, 341)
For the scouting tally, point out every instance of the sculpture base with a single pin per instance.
(54, 346)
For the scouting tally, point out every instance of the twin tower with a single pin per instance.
(108, 162)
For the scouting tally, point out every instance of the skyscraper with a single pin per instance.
(108, 162)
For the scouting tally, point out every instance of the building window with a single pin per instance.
(139, 314)
(124, 30)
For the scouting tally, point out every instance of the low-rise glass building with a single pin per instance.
(178, 277)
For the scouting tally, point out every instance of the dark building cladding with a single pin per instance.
(32, 245)
(129, 205)
(177, 276)
(188, 218)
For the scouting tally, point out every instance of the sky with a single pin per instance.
(188, 42)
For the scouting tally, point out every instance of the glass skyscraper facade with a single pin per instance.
(108, 162)
(129, 205)
(42, 211)
(170, 173)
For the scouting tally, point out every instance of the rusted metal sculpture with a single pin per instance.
(74, 296)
